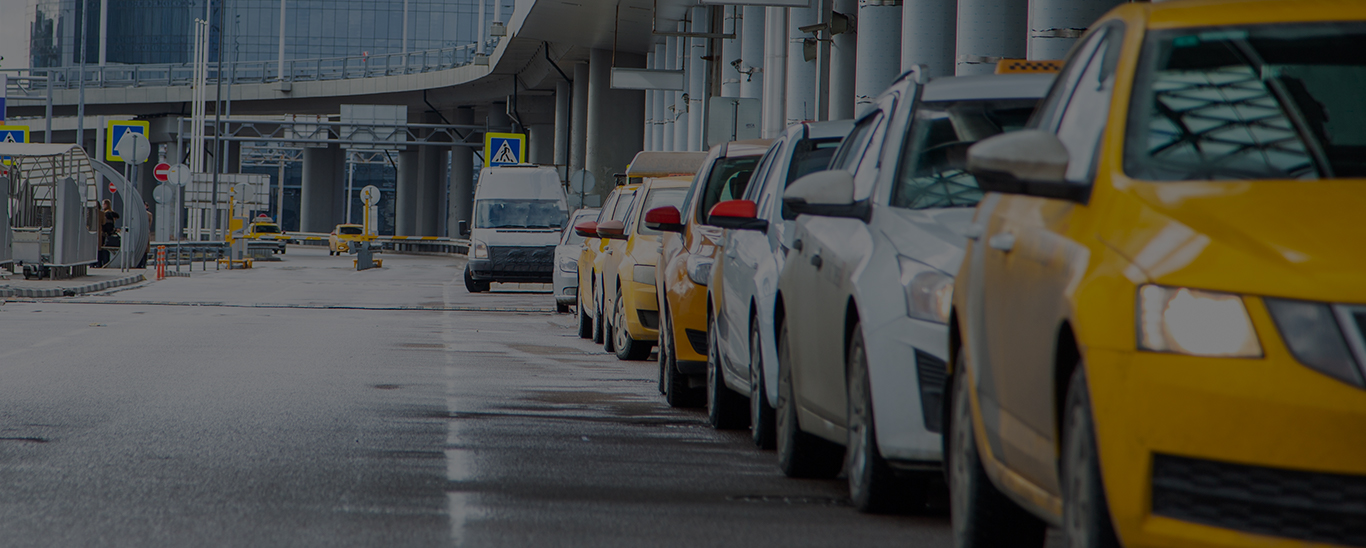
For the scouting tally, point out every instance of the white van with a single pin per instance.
(518, 213)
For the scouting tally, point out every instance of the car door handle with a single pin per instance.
(817, 261)
(1003, 242)
(797, 245)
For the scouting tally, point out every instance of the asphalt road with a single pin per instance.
(302, 403)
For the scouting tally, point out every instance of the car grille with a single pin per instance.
(698, 340)
(932, 373)
(1310, 506)
(522, 259)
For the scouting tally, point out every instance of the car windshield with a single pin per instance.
(519, 214)
(1280, 101)
(727, 181)
(267, 229)
(659, 197)
(353, 230)
(933, 171)
(812, 157)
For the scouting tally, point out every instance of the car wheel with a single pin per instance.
(474, 286)
(662, 354)
(873, 486)
(585, 323)
(800, 455)
(1085, 514)
(598, 319)
(982, 516)
(609, 331)
(760, 412)
(726, 409)
(676, 389)
(626, 347)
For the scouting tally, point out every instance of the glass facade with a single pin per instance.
(162, 31)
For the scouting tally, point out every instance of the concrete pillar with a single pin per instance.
(657, 104)
(681, 104)
(671, 97)
(987, 30)
(615, 118)
(431, 187)
(649, 136)
(801, 74)
(879, 54)
(928, 28)
(730, 51)
(405, 193)
(233, 160)
(1054, 23)
(775, 72)
(541, 149)
(752, 52)
(578, 137)
(561, 153)
(843, 63)
(461, 205)
(697, 78)
(320, 181)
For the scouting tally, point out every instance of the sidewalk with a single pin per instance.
(99, 279)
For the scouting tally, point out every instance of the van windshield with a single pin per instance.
(519, 214)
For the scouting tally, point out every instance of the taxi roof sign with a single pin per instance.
(1028, 66)
(504, 149)
(115, 132)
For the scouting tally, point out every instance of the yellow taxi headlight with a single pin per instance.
(1195, 322)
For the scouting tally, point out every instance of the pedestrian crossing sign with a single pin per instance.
(116, 130)
(12, 134)
(504, 149)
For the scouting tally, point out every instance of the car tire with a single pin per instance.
(677, 392)
(800, 455)
(761, 421)
(662, 355)
(626, 347)
(982, 516)
(474, 286)
(873, 486)
(609, 331)
(1085, 513)
(585, 323)
(726, 409)
(598, 319)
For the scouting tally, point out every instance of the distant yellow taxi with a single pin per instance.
(344, 236)
(1158, 333)
(628, 271)
(614, 208)
(265, 230)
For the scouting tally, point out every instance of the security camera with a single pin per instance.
(735, 63)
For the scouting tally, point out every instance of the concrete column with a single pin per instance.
(752, 52)
(843, 63)
(681, 104)
(697, 78)
(801, 74)
(461, 205)
(928, 28)
(578, 136)
(541, 149)
(775, 72)
(989, 29)
(879, 54)
(1053, 23)
(730, 51)
(234, 157)
(647, 128)
(657, 104)
(431, 187)
(320, 181)
(405, 193)
(669, 97)
(615, 118)
(561, 153)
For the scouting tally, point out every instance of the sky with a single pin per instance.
(14, 33)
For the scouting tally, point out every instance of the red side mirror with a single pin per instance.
(665, 218)
(612, 230)
(737, 214)
(587, 230)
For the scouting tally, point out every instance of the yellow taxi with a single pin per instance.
(1158, 333)
(344, 236)
(263, 229)
(688, 252)
(614, 208)
(628, 270)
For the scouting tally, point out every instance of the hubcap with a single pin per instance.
(619, 323)
(1075, 473)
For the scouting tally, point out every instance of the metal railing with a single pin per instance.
(243, 72)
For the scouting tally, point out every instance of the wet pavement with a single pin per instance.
(304, 403)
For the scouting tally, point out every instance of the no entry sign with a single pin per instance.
(111, 187)
(162, 172)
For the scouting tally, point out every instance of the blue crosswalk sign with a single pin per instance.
(116, 130)
(504, 149)
(12, 134)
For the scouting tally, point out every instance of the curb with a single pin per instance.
(70, 291)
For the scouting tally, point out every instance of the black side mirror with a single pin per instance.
(463, 227)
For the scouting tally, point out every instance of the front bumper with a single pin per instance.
(907, 371)
(1207, 452)
(641, 307)
(484, 270)
(566, 287)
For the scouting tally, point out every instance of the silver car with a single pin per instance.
(567, 260)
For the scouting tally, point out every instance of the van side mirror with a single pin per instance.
(825, 194)
(463, 228)
(737, 214)
(1029, 162)
(664, 219)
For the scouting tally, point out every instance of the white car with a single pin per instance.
(567, 260)
(744, 354)
(864, 295)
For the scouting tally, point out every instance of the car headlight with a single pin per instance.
(1314, 336)
(1195, 322)
(929, 293)
(569, 264)
(643, 274)
(699, 269)
(479, 250)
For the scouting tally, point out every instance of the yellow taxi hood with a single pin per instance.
(1295, 239)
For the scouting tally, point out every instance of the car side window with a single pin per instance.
(623, 207)
(852, 150)
(606, 212)
(772, 173)
(1078, 115)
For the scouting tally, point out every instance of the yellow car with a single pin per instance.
(687, 255)
(617, 205)
(344, 236)
(627, 270)
(1158, 332)
(265, 230)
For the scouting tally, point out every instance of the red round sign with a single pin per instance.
(111, 187)
(162, 172)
